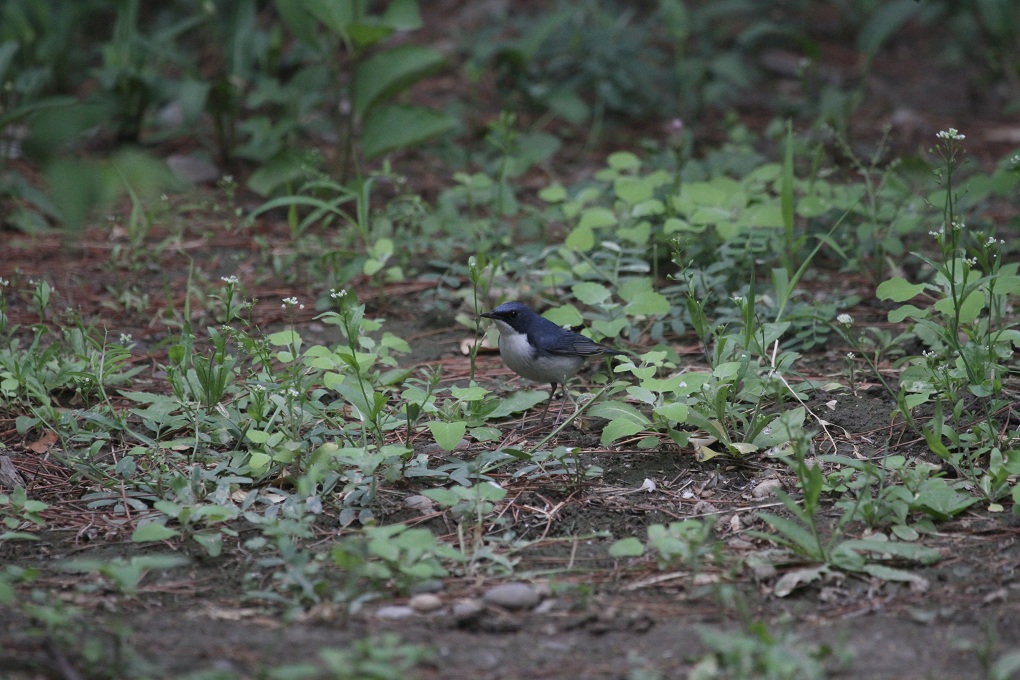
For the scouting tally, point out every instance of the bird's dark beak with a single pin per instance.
(488, 315)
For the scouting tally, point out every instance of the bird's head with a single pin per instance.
(517, 316)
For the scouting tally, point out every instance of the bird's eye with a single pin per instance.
(511, 314)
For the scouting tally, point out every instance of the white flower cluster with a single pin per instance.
(951, 133)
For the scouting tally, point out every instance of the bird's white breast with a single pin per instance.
(518, 355)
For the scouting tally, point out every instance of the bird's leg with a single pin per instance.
(566, 395)
(545, 411)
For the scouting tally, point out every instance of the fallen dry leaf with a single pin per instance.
(43, 443)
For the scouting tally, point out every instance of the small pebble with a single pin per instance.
(513, 596)
(766, 488)
(426, 602)
(465, 611)
(394, 612)
(420, 503)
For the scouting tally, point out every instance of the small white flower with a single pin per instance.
(972, 261)
(739, 299)
(951, 133)
(959, 225)
(258, 388)
(291, 392)
(935, 234)
(230, 280)
(850, 356)
(683, 384)
(292, 302)
(125, 338)
(336, 295)
(4, 282)
(845, 319)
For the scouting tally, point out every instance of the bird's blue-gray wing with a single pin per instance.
(573, 344)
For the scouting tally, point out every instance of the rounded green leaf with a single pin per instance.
(153, 531)
(396, 127)
(898, 289)
(448, 435)
(627, 547)
(593, 218)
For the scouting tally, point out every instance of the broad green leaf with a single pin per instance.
(727, 369)
(485, 434)
(471, 393)
(618, 410)
(623, 160)
(970, 310)
(670, 384)
(941, 500)
(288, 339)
(392, 127)
(899, 289)
(648, 303)
(333, 14)
(886, 20)
(448, 435)
(384, 74)
(908, 551)
(784, 427)
(211, 540)
(554, 193)
(402, 15)
(792, 535)
(258, 460)
(813, 206)
(632, 190)
(627, 547)
(300, 22)
(674, 224)
(764, 215)
(564, 315)
(597, 217)
(639, 234)
(676, 412)
(289, 165)
(590, 293)
(581, 239)
(517, 402)
(907, 311)
(153, 531)
(618, 429)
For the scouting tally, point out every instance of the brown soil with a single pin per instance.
(601, 617)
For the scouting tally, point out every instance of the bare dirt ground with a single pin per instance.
(598, 617)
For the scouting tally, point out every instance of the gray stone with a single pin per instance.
(513, 596)
(394, 612)
(426, 602)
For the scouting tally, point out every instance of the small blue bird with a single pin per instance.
(537, 349)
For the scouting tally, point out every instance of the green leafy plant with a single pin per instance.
(688, 543)
(370, 76)
(970, 340)
(393, 556)
(803, 534)
(17, 511)
(125, 574)
(755, 652)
